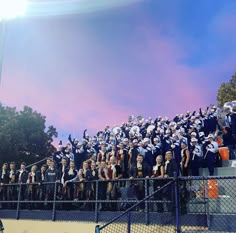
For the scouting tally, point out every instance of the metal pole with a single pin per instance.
(54, 203)
(146, 203)
(2, 44)
(18, 203)
(206, 201)
(36, 163)
(96, 202)
(129, 222)
(177, 206)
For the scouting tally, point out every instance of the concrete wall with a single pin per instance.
(25, 226)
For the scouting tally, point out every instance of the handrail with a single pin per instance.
(40, 161)
(207, 178)
(134, 179)
(27, 184)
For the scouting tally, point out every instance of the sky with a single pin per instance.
(85, 64)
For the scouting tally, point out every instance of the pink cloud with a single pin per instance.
(65, 109)
(168, 75)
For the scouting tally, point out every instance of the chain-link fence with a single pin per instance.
(208, 203)
(191, 204)
(152, 214)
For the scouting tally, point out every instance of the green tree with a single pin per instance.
(227, 91)
(24, 135)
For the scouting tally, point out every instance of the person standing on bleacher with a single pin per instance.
(229, 141)
(170, 168)
(140, 170)
(196, 155)
(51, 176)
(22, 177)
(233, 122)
(158, 173)
(210, 155)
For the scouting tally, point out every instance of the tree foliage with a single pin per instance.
(24, 136)
(227, 91)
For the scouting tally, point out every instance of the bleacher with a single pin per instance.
(228, 168)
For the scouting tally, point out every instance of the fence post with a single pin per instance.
(206, 201)
(177, 202)
(18, 203)
(54, 202)
(97, 230)
(146, 202)
(129, 223)
(96, 202)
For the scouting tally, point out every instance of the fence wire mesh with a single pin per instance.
(152, 214)
(204, 204)
(209, 204)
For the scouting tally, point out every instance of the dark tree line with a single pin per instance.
(24, 135)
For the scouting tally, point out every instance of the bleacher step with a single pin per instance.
(221, 205)
(229, 163)
(219, 171)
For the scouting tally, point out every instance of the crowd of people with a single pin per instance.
(154, 148)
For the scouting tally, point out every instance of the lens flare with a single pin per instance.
(12, 8)
(73, 7)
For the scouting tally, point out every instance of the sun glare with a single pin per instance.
(12, 8)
